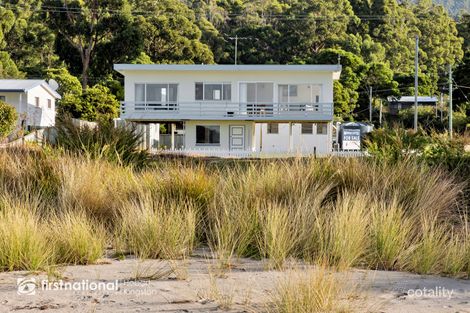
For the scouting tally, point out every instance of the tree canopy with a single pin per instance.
(77, 42)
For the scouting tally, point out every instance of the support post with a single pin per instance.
(450, 101)
(291, 144)
(441, 105)
(172, 136)
(236, 49)
(416, 83)
(380, 114)
(370, 104)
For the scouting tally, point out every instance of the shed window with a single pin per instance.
(49, 103)
(36, 99)
(273, 128)
(3, 98)
(207, 135)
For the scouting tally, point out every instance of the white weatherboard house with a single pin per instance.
(34, 100)
(233, 109)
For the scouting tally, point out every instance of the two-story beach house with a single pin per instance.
(233, 109)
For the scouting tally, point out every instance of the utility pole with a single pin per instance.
(370, 104)
(450, 100)
(441, 105)
(416, 83)
(236, 38)
(380, 114)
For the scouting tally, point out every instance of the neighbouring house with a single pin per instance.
(34, 100)
(232, 109)
(398, 104)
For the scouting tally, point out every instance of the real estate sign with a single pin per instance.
(351, 139)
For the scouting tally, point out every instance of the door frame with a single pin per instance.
(242, 136)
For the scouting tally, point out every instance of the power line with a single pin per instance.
(268, 16)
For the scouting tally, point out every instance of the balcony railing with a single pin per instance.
(226, 110)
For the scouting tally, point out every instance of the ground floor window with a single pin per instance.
(307, 128)
(207, 135)
(273, 128)
(322, 128)
(3, 98)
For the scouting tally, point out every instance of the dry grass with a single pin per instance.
(156, 229)
(76, 238)
(308, 291)
(23, 236)
(346, 212)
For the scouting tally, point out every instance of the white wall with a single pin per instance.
(300, 142)
(186, 81)
(41, 116)
(13, 98)
(190, 134)
(25, 105)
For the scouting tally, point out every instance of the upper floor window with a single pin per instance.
(36, 100)
(49, 103)
(156, 93)
(299, 93)
(213, 91)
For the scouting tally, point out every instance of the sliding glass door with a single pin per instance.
(257, 97)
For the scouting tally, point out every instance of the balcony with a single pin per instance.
(206, 110)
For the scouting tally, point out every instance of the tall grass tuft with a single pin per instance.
(76, 238)
(309, 291)
(23, 240)
(427, 254)
(391, 234)
(277, 236)
(345, 229)
(157, 229)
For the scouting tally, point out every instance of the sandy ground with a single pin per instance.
(245, 288)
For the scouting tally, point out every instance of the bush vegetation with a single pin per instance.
(8, 118)
(119, 144)
(340, 212)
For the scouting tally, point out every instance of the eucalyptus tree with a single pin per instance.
(86, 26)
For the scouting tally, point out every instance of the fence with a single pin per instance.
(257, 154)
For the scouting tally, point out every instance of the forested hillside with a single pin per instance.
(455, 6)
(77, 42)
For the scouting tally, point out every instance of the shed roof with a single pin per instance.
(23, 85)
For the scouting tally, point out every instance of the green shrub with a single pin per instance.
(8, 119)
(115, 144)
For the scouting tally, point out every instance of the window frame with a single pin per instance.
(303, 131)
(319, 126)
(223, 86)
(213, 144)
(314, 98)
(270, 131)
(167, 96)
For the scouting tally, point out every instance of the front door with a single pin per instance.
(237, 137)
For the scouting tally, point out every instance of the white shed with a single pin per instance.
(34, 100)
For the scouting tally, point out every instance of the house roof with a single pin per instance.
(412, 99)
(23, 85)
(335, 69)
